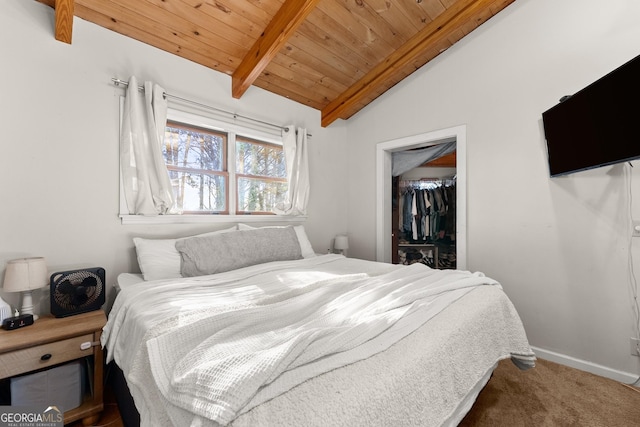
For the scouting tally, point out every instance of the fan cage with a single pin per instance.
(76, 278)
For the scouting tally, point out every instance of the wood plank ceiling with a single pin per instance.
(336, 56)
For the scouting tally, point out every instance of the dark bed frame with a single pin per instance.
(128, 411)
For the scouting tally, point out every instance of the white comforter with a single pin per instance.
(253, 334)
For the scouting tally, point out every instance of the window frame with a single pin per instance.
(199, 119)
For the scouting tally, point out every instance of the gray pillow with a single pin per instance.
(229, 251)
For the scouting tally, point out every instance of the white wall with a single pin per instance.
(59, 161)
(558, 246)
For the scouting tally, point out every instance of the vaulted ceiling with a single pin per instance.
(336, 56)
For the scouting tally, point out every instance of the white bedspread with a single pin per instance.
(254, 334)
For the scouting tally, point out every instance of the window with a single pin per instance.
(260, 175)
(217, 172)
(196, 161)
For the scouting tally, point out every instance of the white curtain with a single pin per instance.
(294, 142)
(147, 186)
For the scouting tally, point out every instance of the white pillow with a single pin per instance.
(159, 258)
(305, 245)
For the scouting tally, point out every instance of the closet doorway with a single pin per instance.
(423, 205)
(384, 188)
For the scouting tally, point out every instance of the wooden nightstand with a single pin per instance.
(51, 341)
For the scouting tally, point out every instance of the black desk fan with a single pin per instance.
(77, 291)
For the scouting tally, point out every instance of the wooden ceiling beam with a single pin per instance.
(64, 20)
(278, 31)
(460, 13)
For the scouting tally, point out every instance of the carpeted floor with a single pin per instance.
(553, 395)
(550, 395)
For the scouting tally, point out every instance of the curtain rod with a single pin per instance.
(118, 82)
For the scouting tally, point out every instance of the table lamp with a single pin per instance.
(341, 244)
(24, 275)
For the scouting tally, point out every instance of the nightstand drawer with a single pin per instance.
(42, 356)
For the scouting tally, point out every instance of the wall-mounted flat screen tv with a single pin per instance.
(597, 126)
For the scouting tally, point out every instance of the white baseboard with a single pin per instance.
(603, 371)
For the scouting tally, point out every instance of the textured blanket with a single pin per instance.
(255, 334)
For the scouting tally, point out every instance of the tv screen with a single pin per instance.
(597, 126)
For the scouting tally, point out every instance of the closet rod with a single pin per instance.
(425, 181)
(118, 82)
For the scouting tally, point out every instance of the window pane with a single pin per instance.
(196, 192)
(257, 195)
(194, 156)
(260, 159)
(193, 148)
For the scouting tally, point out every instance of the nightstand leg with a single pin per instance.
(91, 421)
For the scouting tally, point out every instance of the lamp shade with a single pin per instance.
(341, 242)
(25, 274)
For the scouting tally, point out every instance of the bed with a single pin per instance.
(247, 336)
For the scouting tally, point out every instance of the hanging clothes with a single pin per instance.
(428, 211)
(427, 222)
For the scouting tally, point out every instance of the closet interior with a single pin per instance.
(424, 215)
